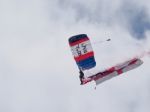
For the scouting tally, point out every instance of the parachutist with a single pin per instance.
(81, 76)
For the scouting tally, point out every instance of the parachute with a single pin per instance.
(82, 51)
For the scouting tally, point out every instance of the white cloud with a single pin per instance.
(37, 71)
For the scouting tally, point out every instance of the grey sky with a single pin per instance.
(37, 71)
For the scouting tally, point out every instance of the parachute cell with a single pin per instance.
(82, 51)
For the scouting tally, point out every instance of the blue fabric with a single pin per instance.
(77, 38)
(87, 63)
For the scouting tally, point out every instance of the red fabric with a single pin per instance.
(84, 56)
(119, 71)
(133, 61)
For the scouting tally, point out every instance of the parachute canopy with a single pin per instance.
(82, 51)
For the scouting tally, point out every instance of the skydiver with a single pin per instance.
(81, 76)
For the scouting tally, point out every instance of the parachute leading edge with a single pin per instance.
(82, 51)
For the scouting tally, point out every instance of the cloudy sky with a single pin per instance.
(37, 71)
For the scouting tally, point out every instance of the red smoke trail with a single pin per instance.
(143, 54)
